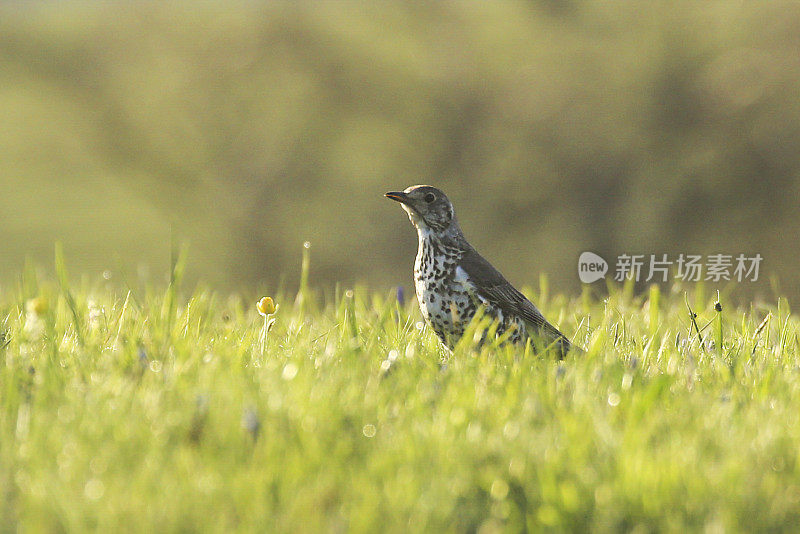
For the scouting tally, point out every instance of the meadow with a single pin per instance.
(128, 408)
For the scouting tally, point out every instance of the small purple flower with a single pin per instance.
(401, 296)
(251, 423)
(201, 403)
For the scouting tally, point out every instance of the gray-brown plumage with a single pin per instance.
(452, 280)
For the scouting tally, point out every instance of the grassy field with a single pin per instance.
(165, 410)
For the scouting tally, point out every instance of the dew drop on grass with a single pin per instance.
(289, 371)
(275, 401)
(516, 467)
(511, 430)
(23, 421)
(474, 431)
(155, 366)
(614, 399)
(549, 515)
(627, 379)
(499, 489)
(94, 489)
(308, 424)
(457, 416)
(369, 430)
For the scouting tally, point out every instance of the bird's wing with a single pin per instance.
(492, 286)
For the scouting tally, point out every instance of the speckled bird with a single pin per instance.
(452, 280)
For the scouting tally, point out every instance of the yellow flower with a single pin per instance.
(265, 306)
(37, 306)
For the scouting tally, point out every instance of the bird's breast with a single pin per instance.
(443, 300)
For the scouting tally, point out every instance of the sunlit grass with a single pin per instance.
(152, 410)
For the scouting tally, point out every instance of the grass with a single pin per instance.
(155, 410)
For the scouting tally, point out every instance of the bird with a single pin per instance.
(453, 281)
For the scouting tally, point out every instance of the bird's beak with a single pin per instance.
(399, 196)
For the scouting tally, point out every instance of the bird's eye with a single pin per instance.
(430, 197)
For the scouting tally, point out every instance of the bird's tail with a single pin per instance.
(551, 339)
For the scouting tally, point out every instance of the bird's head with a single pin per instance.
(427, 207)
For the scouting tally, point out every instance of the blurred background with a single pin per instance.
(247, 128)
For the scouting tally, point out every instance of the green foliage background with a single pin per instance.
(248, 128)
